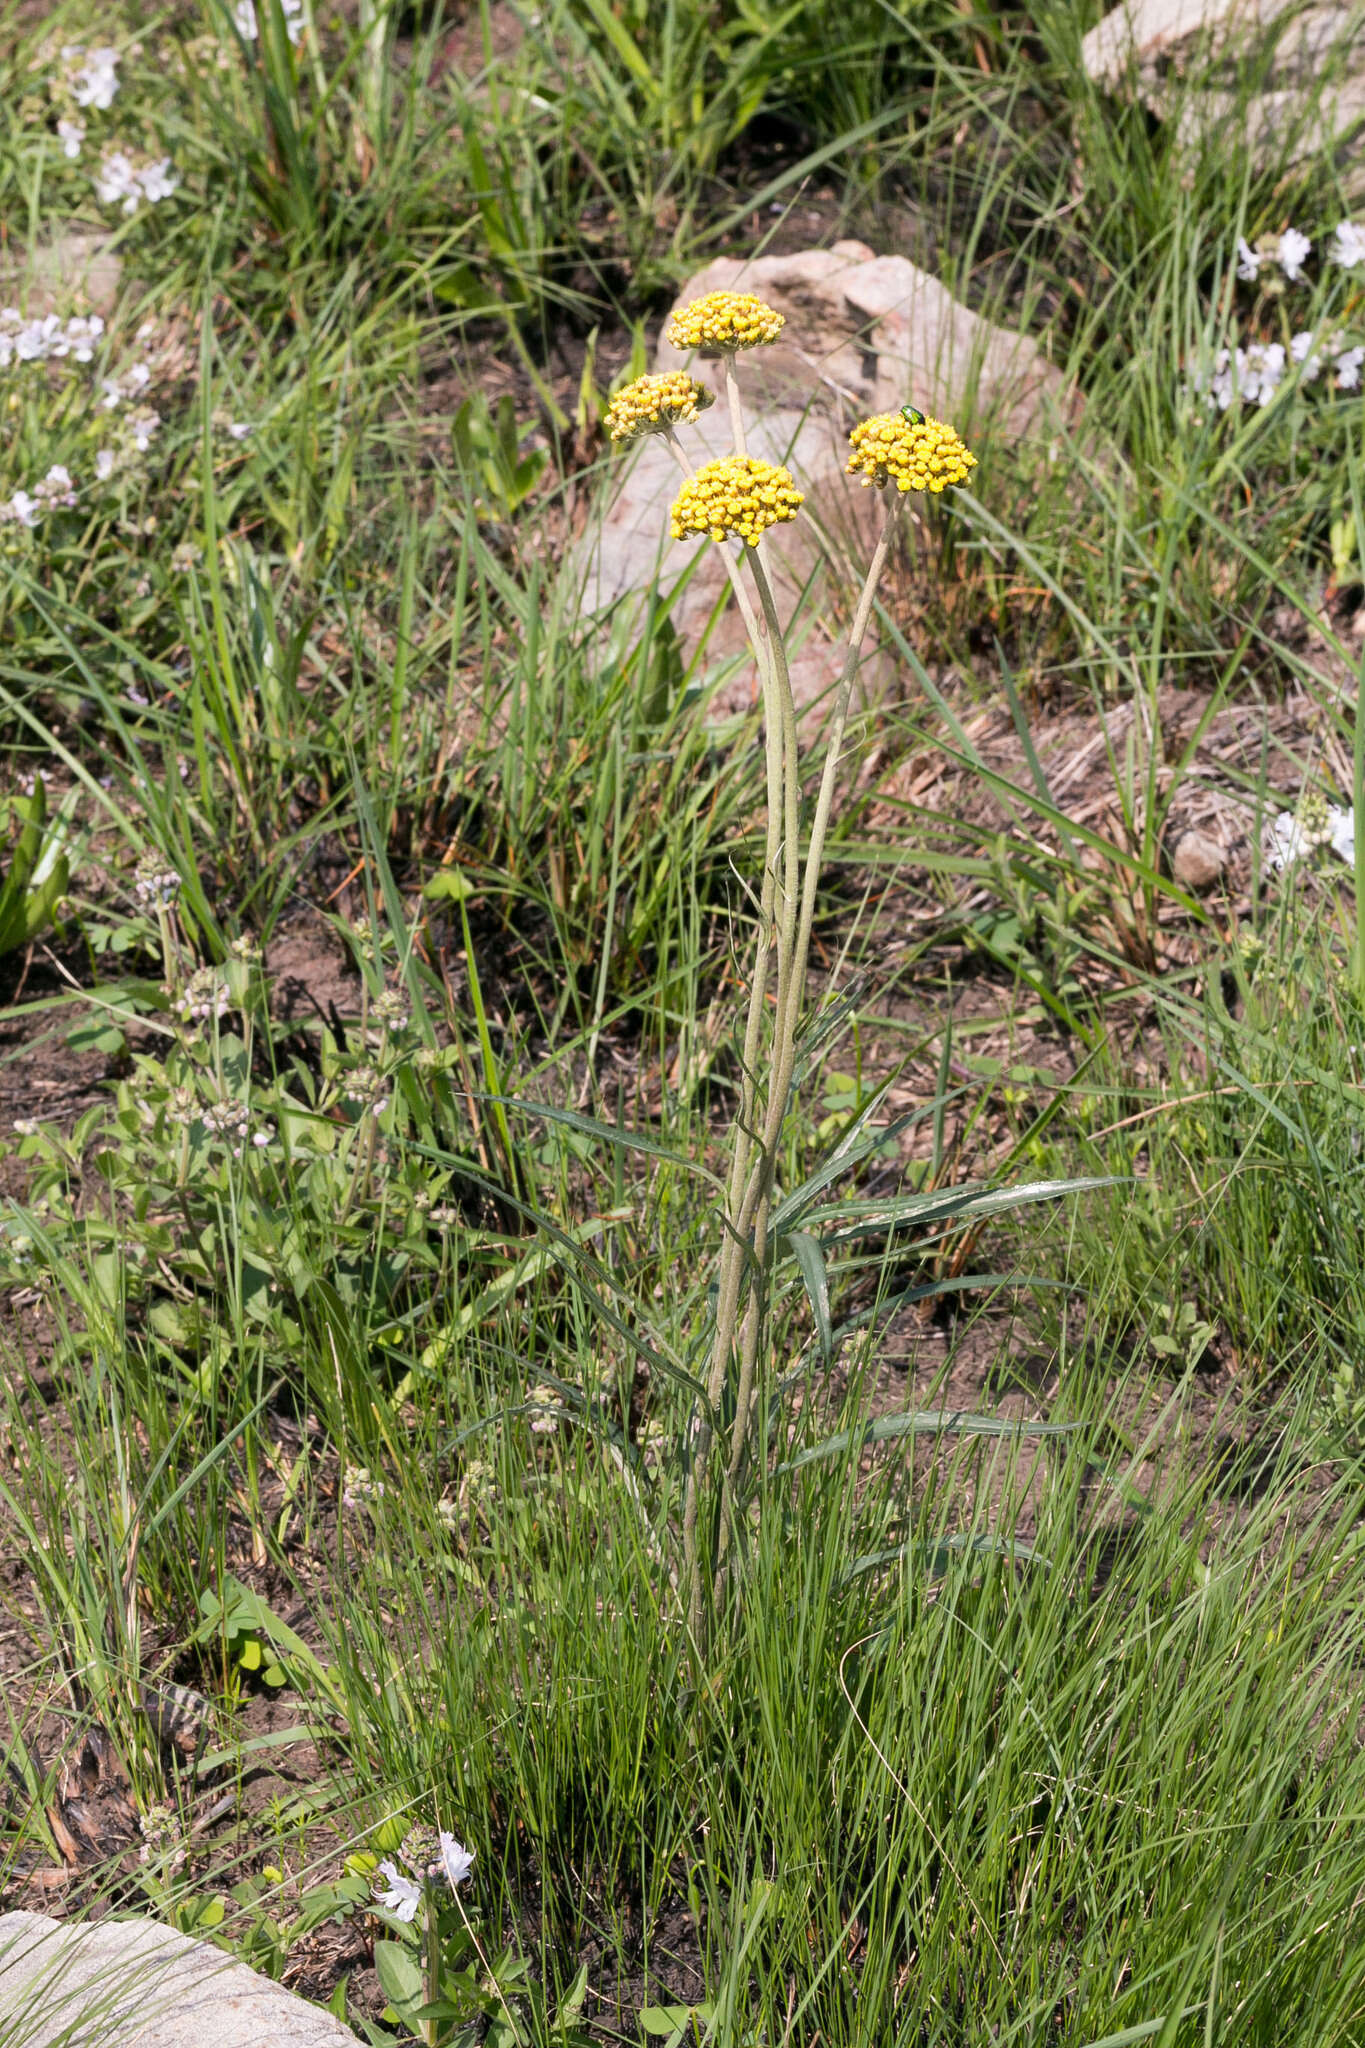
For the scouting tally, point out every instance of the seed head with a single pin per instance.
(926, 456)
(720, 323)
(740, 495)
(653, 404)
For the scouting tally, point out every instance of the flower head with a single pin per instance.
(740, 495)
(718, 323)
(1293, 250)
(917, 455)
(653, 404)
(398, 1894)
(1348, 245)
(1248, 260)
(1347, 366)
(457, 1862)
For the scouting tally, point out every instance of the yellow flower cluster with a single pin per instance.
(721, 322)
(923, 455)
(651, 404)
(740, 494)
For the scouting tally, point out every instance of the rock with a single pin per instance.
(74, 271)
(1311, 61)
(864, 334)
(136, 1984)
(1197, 861)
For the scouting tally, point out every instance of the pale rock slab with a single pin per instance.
(75, 271)
(864, 334)
(1314, 90)
(137, 1984)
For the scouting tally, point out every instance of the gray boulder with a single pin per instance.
(1184, 57)
(136, 1984)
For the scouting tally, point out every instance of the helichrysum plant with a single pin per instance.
(739, 498)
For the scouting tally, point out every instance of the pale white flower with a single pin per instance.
(56, 487)
(104, 465)
(1348, 365)
(398, 1895)
(1293, 250)
(142, 424)
(245, 22)
(240, 430)
(1293, 836)
(1308, 354)
(1343, 839)
(1248, 262)
(82, 333)
(1262, 372)
(456, 1861)
(117, 182)
(71, 134)
(158, 181)
(23, 508)
(93, 79)
(1348, 245)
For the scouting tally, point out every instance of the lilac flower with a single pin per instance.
(1293, 250)
(456, 1861)
(400, 1895)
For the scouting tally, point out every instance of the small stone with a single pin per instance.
(1198, 861)
(137, 1984)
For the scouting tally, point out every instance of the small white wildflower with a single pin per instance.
(1264, 371)
(1248, 262)
(93, 79)
(240, 430)
(23, 508)
(82, 333)
(117, 182)
(142, 424)
(1348, 245)
(1348, 365)
(456, 1861)
(158, 180)
(398, 1895)
(1293, 250)
(104, 465)
(1307, 352)
(26, 1126)
(71, 134)
(56, 487)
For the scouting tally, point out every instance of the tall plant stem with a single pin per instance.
(754, 1210)
(746, 1116)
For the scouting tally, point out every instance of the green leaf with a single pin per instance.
(921, 1422)
(400, 1978)
(809, 1257)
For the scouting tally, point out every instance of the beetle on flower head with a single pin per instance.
(916, 454)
